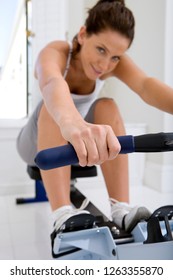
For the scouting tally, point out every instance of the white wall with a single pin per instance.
(13, 176)
(76, 15)
(49, 23)
(163, 172)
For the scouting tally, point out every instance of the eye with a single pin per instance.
(115, 58)
(101, 50)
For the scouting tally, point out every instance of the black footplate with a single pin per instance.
(87, 221)
(74, 223)
(119, 235)
(78, 222)
(164, 213)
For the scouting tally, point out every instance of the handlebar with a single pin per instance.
(66, 155)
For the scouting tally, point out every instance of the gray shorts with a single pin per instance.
(27, 138)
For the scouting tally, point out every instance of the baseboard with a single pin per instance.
(159, 177)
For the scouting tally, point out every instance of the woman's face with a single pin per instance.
(100, 53)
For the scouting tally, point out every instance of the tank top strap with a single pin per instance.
(68, 58)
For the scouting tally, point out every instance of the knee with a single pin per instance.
(107, 107)
(107, 112)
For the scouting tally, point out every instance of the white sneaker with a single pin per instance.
(68, 218)
(127, 217)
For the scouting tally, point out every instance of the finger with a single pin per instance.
(102, 149)
(88, 138)
(92, 152)
(113, 145)
(81, 152)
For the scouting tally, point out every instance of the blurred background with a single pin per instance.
(28, 25)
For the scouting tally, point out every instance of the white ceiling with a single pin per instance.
(8, 10)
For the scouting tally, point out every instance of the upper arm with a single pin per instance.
(130, 74)
(51, 62)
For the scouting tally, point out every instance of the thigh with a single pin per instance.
(27, 138)
(49, 133)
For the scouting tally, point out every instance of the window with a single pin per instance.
(49, 20)
(14, 62)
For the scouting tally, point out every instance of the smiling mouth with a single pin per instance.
(97, 71)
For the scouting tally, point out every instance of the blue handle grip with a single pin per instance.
(66, 155)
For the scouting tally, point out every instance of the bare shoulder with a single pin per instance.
(53, 56)
(129, 73)
(59, 46)
(126, 66)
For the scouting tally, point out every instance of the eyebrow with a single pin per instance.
(108, 50)
(105, 47)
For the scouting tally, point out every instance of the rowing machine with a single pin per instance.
(100, 238)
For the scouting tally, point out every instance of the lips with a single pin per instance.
(97, 72)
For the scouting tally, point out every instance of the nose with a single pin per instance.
(104, 64)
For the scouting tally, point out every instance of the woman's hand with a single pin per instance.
(93, 144)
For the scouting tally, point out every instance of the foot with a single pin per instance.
(70, 219)
(127, 217)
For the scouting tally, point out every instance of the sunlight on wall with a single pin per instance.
(13, 93)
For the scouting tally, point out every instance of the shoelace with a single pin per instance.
(84, 204)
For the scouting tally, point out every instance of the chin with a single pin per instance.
(92, 77)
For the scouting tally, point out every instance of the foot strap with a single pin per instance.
(154, 230)
(74, 223)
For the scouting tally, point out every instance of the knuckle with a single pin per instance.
(83, 155)
(114, 151)
(76, 136)
(103, 158)
(98, 129)
(93, 159)
(83, 160)
(86, 133)
(108, 127)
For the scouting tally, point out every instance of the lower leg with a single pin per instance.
(56, 181)
(115, 172)
(116, 178)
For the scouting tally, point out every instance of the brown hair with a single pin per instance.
(109, 14)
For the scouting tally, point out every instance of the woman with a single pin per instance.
(70, 77)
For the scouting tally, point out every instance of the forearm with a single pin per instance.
(58, 101)
(93, 144)
(158, 94)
